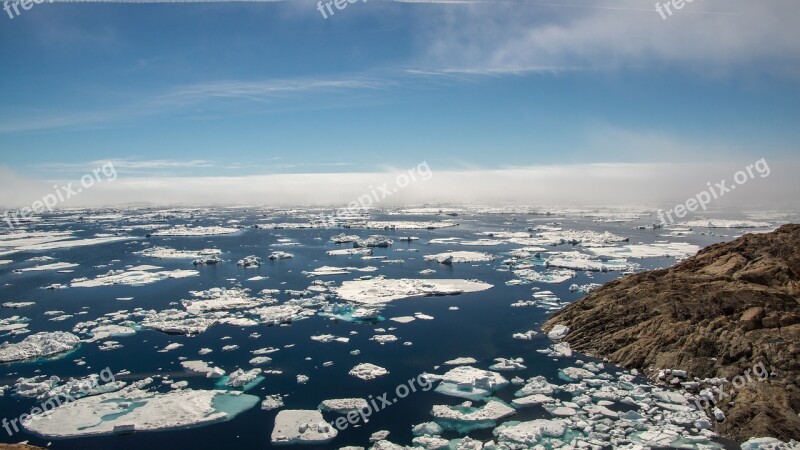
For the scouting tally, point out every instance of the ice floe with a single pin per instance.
(343, 405)
(136, 276)
(39, 345)
(195, 231)
(294, 426)
(367, 371)
(133, 409)
(470, 383)
(382, 290)
(459, 257)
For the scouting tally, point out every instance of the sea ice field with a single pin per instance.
(208, 328)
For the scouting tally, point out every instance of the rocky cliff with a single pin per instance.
(719, 314)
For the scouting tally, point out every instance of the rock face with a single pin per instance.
(718, 314)
(19, 447)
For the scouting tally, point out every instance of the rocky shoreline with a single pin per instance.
(724, 325)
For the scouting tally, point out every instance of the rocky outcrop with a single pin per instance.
(718, 314)
(19, 447)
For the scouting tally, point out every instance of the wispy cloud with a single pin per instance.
(536, 36)
(262, 90)
(171, 100)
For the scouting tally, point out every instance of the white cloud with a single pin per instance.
(538, 36)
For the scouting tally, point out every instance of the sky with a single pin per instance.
(604, 101)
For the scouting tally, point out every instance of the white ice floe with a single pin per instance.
(17, 305)
(176, 322)
(679, 250)
(367, 371)
(280, 255)
(350, 251)
(403, 319)
(465, 417)
(220, 299)
(249, 261)
(343, 405)
(553, 276)
(241, 378)
(382, 290)
(459, 257)
(531, 400)
(132, 409)
(39, 345)
(294, 426)
(503, 364)
(725, 223)
(470, 383)
(529, 434)
(330, 270)
(526, 336)
(406, 225)
(581, 261)
(326, 338)
(171, 253)
(383, 338)
(45, 267)
(460, 361)
(769, 443)
(136, 276)
(272, 402)
(204, 368)
(195, 231)
(260, 360)
(103, 332)
(49, 240)
(170, 347)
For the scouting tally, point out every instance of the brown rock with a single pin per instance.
(19, 447)
(717, 314)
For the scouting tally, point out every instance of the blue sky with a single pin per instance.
(249, 88)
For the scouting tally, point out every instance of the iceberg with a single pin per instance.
(367, 371)
(297, 426)
(344, 405)
(470, 383)
(39, 345)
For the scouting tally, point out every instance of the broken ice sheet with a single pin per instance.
(456, 257)
(465, 417)
(40, 345)
(382, 290)
(135, 276)
(134, 409)
(470, 383)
